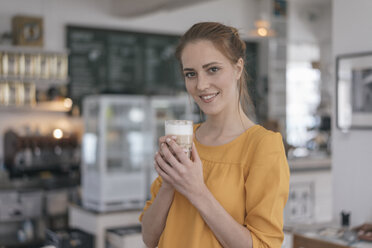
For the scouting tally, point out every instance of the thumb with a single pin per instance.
(194, 153)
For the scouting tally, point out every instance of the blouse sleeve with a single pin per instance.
(267, 187)
(155, 186)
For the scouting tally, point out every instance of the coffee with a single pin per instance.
(183, 130)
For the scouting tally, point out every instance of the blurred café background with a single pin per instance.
(85, 87)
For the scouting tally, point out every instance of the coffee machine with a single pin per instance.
(32, 154)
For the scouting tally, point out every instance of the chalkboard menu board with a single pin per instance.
(125, 62)
(111, 61)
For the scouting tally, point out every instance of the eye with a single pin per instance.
(190, 74)
(214, 69)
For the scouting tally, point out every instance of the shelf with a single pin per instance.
(38, 81)
(32, 50)
(48, 106)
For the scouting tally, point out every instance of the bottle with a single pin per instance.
(345, 219)
(348, 235)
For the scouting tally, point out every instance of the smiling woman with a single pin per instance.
(231, 52)
(232, 191)
(210, 77)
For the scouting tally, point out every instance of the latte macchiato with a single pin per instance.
(183, 130)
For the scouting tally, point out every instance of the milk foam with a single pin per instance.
(178, 127)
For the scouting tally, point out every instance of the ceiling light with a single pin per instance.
(262, 29)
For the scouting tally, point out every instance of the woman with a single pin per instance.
(233, 190)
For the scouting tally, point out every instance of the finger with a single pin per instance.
(164, 165)
(160, 151)
(179, 151)
(156, 164)
(194, 153)
(162, 139)
(162, 173)
(169, 157)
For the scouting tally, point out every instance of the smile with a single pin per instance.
(208, 98)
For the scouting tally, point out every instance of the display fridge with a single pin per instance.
(119, 142)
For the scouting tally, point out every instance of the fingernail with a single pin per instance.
(162, 144)
(174, 137)
(186, 150)
(168, 139)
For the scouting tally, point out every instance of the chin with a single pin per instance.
(209, 110)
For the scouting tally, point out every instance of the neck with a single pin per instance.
(228, 122)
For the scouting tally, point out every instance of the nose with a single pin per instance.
(202, 83)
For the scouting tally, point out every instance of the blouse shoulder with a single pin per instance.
(260, 147)
(266, 139)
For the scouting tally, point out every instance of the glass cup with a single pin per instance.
(183, 130)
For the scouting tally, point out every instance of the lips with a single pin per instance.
(208, 97)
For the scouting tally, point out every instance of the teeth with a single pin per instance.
(209, 97)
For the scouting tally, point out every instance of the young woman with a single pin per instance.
(233, 190)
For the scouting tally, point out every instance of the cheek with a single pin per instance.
(228, 83)
(191, 90)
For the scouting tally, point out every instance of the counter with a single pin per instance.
(310, 164)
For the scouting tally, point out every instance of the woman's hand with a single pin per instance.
(165, 184)
(185, 175)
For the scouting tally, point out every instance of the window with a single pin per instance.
(303, 93)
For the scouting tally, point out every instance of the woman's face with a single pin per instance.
(210, 77)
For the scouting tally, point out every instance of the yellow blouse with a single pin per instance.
(249, 176)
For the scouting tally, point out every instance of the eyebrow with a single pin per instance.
(204, 66)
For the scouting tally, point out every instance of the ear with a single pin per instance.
(239, 66)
